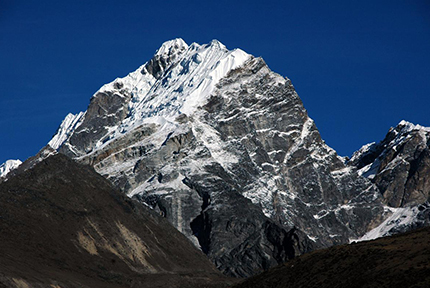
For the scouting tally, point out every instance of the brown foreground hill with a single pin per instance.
(397, 261)
(63, 225)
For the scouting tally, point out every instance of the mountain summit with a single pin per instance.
(176, 80)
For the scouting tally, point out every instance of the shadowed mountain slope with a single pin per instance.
(63, 225)
(396, 261)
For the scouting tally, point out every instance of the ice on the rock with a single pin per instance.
(8, 166)
(69, 124)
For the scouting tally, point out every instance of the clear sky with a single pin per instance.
(360, 67)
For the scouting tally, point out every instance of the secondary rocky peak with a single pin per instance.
(405, 126)
(8, 166)
(399, 164)
(165, 56)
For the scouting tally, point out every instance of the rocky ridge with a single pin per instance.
(8, 166)
(223, 148)
(399, 166)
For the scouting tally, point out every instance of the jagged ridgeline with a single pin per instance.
(223, 148)
(399, 166)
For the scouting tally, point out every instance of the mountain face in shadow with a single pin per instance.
(63, 225)
(396, 261)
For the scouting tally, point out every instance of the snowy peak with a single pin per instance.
(177, 80)
(217, 44)
(211, 137)
(406, 127)
(69, 124)
(165, 56)
(171, 47)
(398, 165)
(8, 166)
(183, 77)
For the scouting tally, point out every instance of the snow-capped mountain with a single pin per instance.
(224, 149)
(399, 166)
(8, 166)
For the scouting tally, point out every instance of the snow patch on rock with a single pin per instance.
(8, 166)
(400, 217)
(69, 124)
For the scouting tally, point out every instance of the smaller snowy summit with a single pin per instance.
(69, 124)
(8, 166)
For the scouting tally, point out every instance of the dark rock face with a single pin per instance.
(106, 109)
(244, 174)
(398, 261)
(235, 234)
(64, 225)
(399, 165)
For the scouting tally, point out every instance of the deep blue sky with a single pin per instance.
(359, 66)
